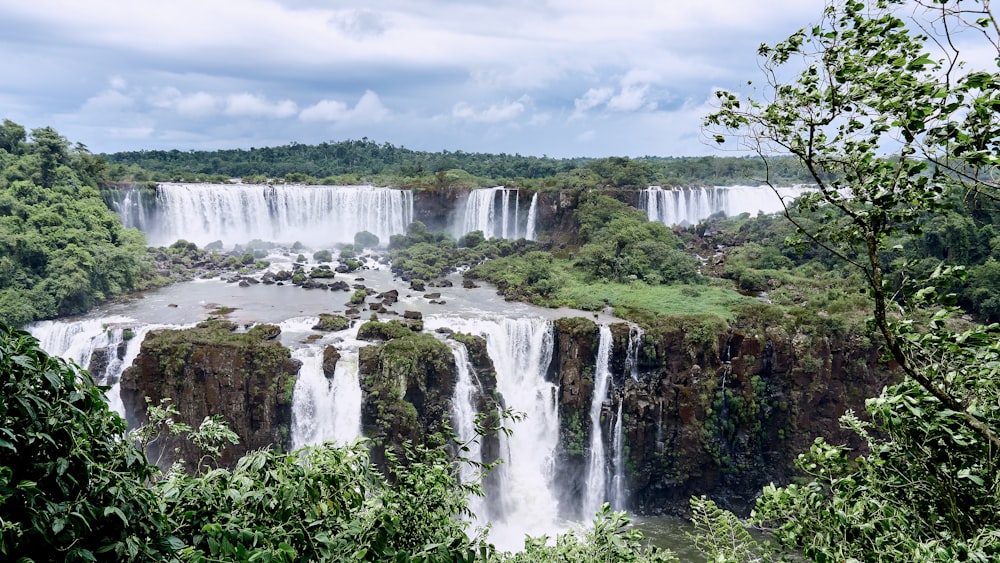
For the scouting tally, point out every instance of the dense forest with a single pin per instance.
(364, 161)
(910, 259)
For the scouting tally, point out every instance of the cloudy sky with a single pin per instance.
(537, 77)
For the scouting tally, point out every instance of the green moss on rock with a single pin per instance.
(331, 323)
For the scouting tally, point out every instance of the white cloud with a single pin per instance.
(591, 99)
(633, 93)
(325, 110)
(540, 119)
(252, 105)
(199, 104)
(368, 109)
(436, 62)
(494, 113)
(131, 132)
(360, 24)
(108, 101)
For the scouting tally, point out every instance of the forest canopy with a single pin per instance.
(61, 249)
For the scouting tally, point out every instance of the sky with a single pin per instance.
(559, 78)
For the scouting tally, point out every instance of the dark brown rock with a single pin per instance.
(211, 370)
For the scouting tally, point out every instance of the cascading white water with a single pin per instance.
(482, 214)
(595, 492)
(79, 340)
(132, 207)
(463, 421)
(686, 206)
(75, 340)
(317, 216)
(635, 334)
(529, 230)
(521, 350)
(618, 497)
(326, 409)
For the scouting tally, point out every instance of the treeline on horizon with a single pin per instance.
(362, 161)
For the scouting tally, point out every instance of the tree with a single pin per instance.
(889, 122)
(12, 136)
(52, 150)
(70, 488)
(868, 87)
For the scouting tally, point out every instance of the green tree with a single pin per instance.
(868, 87)
(70, 488)
(52, 150)
(887, 131)
(11, 137)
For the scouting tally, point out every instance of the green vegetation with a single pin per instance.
(71, 489)
(621, 245)
(364, 161)
(912, 134)
(425, 255)
(328, 322)
(61, 249)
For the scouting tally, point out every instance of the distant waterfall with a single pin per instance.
(529, 231)
(595, 493)
(687, 206)
(326, 409)
(316, 216)
(521, 350)
(618, 495)
(496, 212)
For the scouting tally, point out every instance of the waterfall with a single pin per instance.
(463, 421)
(529, 230)
(75, 340)
(326, 409)
(132, 206)
(85, 340)
(482, 214)
(686, 206)
(317, 216)
(521, 350)
(595, 493)
(618, 497)
(635, 334)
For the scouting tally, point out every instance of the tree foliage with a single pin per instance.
(621, 245)
(70, 488)
(893, 128)
(61, 249)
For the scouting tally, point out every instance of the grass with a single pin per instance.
(658, 299)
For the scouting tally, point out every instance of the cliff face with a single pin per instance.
(438, 208)
(247, 378)
(709, 410)
(705, 409)
(408, 384)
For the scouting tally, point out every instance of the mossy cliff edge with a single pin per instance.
(708, 409)
(247, 378)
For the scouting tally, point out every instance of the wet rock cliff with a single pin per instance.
(245, 377)
(706, 409)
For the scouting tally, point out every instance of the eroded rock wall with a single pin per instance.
(712, 410)
(246, 378)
